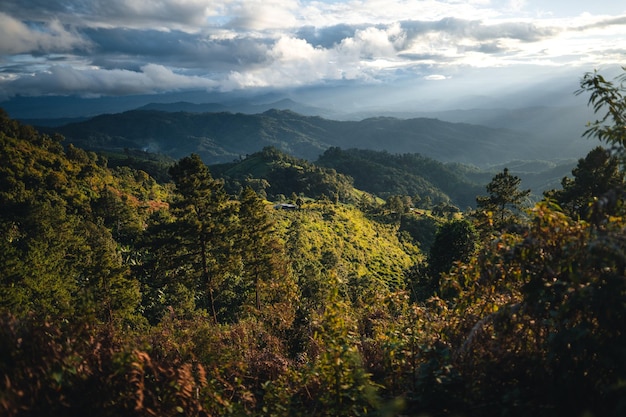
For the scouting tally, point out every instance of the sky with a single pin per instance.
(100, 48)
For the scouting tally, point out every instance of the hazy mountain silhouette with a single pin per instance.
(220, 137)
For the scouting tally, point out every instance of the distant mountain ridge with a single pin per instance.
(239, 107)
(220, 137)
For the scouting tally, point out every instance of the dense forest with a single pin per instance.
(271, 286)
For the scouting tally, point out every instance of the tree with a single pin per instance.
(397, 205)
(36, 259)
(255, 243)
(160, 266)
(455, 241)
(204, 218)
(57, 260)
(344, 388)
(505, 199)
(106, 290)
(595, 175)
(611, 127)
(539, 321)
(265, 264)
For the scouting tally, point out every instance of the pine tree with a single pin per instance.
(505, 200)
(595, 175)
(255, 240)
(204, 219)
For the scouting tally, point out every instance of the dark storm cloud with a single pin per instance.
(327, 37)
(34, 9)
(176, 48)
(108, 12)
(18, 37)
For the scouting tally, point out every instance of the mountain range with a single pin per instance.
(224, 136)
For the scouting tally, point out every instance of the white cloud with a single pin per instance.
(17, 38)
(372, 42)
(291, 62)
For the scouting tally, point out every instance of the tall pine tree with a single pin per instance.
(204, 218)
(505, 200)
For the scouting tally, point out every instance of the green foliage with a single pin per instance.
(505, 200)
(455, 242)
(606, 96)
(421, 227)
(594, 176)
(58, 258)
(336, 239)
(263, 259)
(154, 164)
(341, 384)
(539, 313)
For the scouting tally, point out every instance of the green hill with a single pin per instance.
(337, 173)
(275, 174)
(385, 174)
(342, 241)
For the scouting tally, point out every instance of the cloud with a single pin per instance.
(16, 37)
(130, 13)
(176, 48)
(291, 62)
(327, 37)
(262, 14)
(477, 30)
(130, 46)
(373, 42)
(152, 78)
(485, 48)
(604, 23)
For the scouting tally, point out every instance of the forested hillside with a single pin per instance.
(276, 175)
(222, 137)
(384, 174)
(208, 293)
